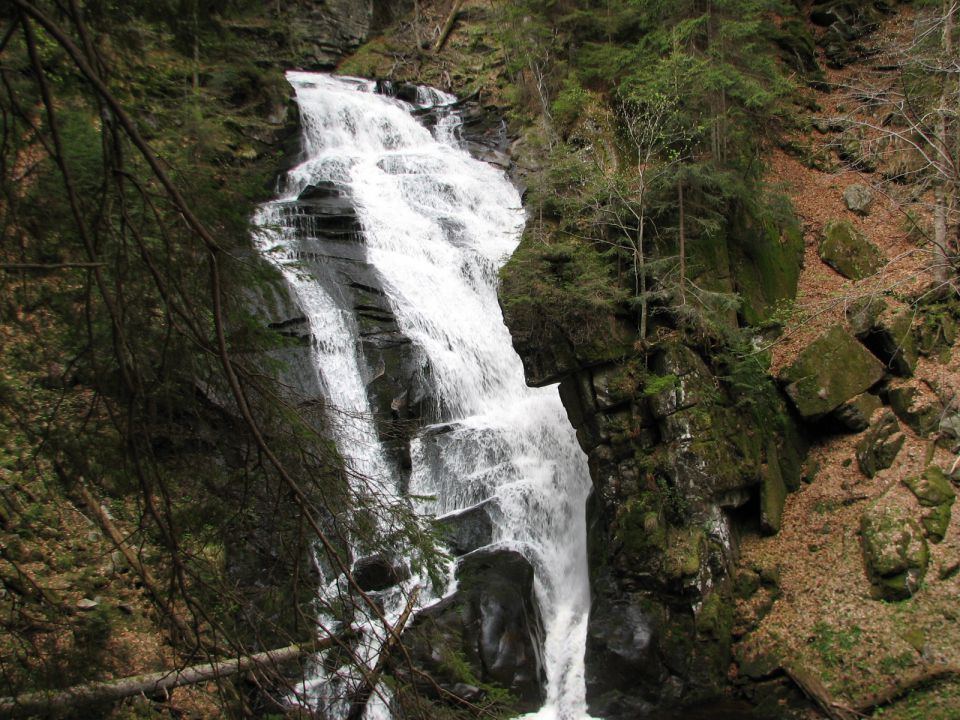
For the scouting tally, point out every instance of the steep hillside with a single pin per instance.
(880, 645)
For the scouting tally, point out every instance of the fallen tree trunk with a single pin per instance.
(909, 681)
(448, 26)
(44, 703)
(814, 689)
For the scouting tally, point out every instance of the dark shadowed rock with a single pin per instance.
(377, 572)
(487, 632)
(880, 446)
(468, 530)
(855, 414)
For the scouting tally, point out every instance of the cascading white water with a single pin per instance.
(437, 226)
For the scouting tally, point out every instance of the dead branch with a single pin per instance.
(42, 703)
(359, 703)
(13, 267)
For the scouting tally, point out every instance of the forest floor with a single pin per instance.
(826, 617)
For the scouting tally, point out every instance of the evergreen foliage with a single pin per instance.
(133, 368)
(693, 93)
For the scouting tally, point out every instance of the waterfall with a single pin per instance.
(436, 226)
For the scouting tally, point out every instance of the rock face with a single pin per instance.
(894, 550)
(833, 369)
(843, 248)
(326, 30)
(487, 632)
(675, 463)
(846, 23)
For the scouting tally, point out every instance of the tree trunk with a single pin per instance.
(943, 191)
(46, 704)
(448, 26)
(683, 239)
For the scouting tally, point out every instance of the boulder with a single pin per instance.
(486, 633)
(916, 407)
(377, 572)
(933, 491)
(931, 487)
(844, 248)
(895, 551)
(467, 530)
(936, 521)
(773, 495)
(858, 198)
(891, 339)
(864, 313)
(855, 414)
(880, 446)
(949, 435)
(830, 371)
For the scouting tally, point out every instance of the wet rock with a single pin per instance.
(858, 198)
(844, 248)
(622, 657)
(880, 446)
(855, 414)
(377, 572)
(833, 369)
(894, 550)
(487, 632)
(467, 530)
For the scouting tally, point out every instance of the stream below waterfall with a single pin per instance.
(436, 226)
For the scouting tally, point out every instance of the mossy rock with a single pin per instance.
(931, 487)
(895, 551)
(746, 582)
(864, 313)
(833, 369)
(773, 496)
(855, 414)
(844, 248)
(920, 411)
(765, 260)
(881, 445)
(686, 549)
(936, 521)
(893, 341)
